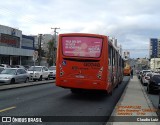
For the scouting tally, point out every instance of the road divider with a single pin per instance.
(20, 85)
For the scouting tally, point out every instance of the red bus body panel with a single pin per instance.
(83, 73)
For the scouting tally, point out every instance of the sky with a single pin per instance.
(131, 22)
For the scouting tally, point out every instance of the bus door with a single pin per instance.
(110, 65)
(116, 68)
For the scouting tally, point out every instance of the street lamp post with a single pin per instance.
(39, 48)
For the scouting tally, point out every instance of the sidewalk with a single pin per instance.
(134, 105)
(20, 85)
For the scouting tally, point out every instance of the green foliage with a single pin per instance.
(51, 51)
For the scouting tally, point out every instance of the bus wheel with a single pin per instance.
(110, 93)
(75, 91)
(117, 85)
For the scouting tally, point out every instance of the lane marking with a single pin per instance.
(6, 109)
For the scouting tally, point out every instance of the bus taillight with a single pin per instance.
(61, 71)
(99, 75)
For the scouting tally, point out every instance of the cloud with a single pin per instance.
(133, 23)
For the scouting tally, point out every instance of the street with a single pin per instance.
(49, 100)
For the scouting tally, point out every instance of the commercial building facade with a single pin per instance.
(15, 48)
(154, 48)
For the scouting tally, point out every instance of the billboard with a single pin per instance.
(8, 40)
(82, 46)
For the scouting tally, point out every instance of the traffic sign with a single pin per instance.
(35, 55)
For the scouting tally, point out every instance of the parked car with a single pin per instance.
(14, 75)
(27, 67)
(38, 72)
(5, 65)
(17, 66)
(154, 83)
(146, 78)
(142, 73)
(52, 72)
(1, 69)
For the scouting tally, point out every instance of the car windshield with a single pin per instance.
(156, 78)
(35, 68)
(149, 74)
(52, 68)
(146, 71)
(9, 71)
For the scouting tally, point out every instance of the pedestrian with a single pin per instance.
(131, 73)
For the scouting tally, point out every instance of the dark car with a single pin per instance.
(154, 83)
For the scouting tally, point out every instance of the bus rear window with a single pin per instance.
(82, 46)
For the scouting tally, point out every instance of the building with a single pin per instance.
(126, 54)
(155, 64)
(154, 48)
(15, 48)
(142, 63)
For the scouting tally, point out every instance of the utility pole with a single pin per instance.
(39, 48)
(55, 31)
(54, 47)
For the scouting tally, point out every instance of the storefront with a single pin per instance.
(15, 47)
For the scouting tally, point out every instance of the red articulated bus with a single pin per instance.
(87, 62)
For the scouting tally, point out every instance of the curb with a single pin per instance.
(21, 85)
(149, 102)
(118, 102)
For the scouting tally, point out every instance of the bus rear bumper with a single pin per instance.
(82, 84)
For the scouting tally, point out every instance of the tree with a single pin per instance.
(51, 53)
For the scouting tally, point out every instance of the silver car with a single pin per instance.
(52, 71)
(14, 75)
(38, 72)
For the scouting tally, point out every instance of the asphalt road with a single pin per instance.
(50, 100)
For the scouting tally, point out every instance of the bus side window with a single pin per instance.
(109, 63)
(109, 55)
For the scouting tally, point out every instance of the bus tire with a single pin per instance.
(117, 85)
(74, 91)
(110, 93)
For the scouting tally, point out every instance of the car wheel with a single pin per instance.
(27, 80)
(40, 79)
(47, 78)
(12, 81)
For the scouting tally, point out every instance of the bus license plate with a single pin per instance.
(79, 76)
